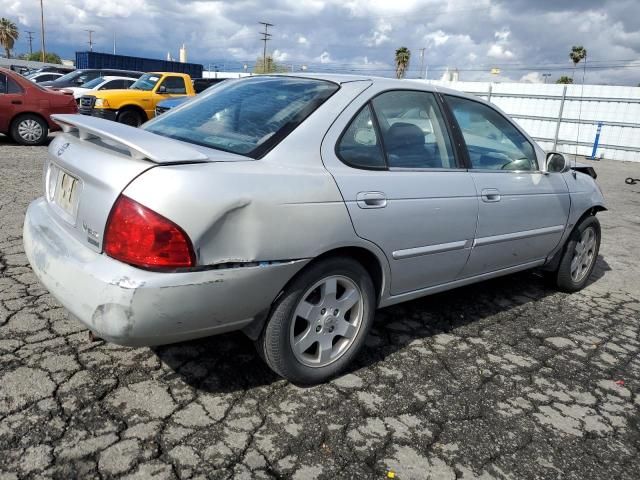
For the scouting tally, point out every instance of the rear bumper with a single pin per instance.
(129, 306)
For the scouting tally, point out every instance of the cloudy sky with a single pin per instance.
(523, 38)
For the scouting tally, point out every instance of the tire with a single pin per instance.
(331, 327)
(130, 117)
(29, 129)
(579, 256)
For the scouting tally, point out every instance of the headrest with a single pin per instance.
(404, 134)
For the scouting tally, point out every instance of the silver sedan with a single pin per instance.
(291, 208)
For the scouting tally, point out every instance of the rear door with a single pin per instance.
(522, 210)
(11, 100)
(404, 187)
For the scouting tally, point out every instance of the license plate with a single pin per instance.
(66, 193)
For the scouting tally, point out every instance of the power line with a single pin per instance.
(30, 34)
(265, 38)
(90, 39)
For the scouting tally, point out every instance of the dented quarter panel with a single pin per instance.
(130, 306)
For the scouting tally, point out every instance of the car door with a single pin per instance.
(11, 98)
(405, 190)
(523, 211)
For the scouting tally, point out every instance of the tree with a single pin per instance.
(403, 55)
(49, 57)
(564, 79)
(271, 66)
(578, 53)
(8, 35)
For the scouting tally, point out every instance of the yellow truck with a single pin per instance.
(137, 104)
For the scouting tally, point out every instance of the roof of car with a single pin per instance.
(113, 77)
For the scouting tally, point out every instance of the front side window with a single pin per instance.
(359, 145)
(413, 130)
(248, 117)
(493, 142)
(174, 85)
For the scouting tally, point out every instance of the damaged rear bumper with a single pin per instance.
(129, 306)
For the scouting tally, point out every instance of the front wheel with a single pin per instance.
(579, 257)
(130, 117)
(320, 322)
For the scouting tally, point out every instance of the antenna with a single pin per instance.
(265, 38)
(584, 72)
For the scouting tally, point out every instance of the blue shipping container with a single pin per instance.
(123, 62)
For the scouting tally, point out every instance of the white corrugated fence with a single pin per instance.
(566, 117)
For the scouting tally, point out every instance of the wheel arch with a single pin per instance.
(35, 114)
(369, 260)
(554, 260)
(135, 107)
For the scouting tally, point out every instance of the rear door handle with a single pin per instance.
(371, 200)
(490, 195)
(16, 102)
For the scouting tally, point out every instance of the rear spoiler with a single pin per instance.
(142, 145)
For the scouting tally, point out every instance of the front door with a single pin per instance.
(403, 186)
(522, 211)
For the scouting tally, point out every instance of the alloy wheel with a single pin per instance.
(326, 321)
(583, 255)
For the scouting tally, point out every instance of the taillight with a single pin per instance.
(141, 237)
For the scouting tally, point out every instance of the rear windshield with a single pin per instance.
(93, 83)
(248, 117)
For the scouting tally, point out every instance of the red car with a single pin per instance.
(26, 108)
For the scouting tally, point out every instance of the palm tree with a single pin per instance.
(8, 35)
(564, 79)
(578, 53)
(403, 55)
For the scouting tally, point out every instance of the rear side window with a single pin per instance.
(413, 131)
(359, 146)
(174, 85)
(9, 85)
(493, 142)
(248, 117)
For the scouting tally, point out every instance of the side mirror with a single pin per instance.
(556, 163)
(162, 89)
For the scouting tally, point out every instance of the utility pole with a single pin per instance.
(42, 53)
(30, 34)
(90, 39)
(546, 75)
(265, 38)
(114, 42)
(421, 62)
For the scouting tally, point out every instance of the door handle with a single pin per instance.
(490, 195)
(371, 200)
(16, 102)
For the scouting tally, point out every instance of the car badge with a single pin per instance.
(62, 149)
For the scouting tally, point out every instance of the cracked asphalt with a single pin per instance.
(504, 379)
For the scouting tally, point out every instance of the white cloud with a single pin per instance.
(280, 56)
(498, 51)
(532, 77)
(437, 38)
(324, 57)
(303, 40)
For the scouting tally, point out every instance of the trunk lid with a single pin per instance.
(89, 165)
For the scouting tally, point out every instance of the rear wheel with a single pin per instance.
(579, 257)
(320, 322)
(29, 129)
(130, 117)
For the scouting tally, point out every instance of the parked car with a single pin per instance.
(168, 104)
(101, 83)
(137, 104)
(82, 76)
(291, 208)
(39, 77)
(54, 68)
(26, 108)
